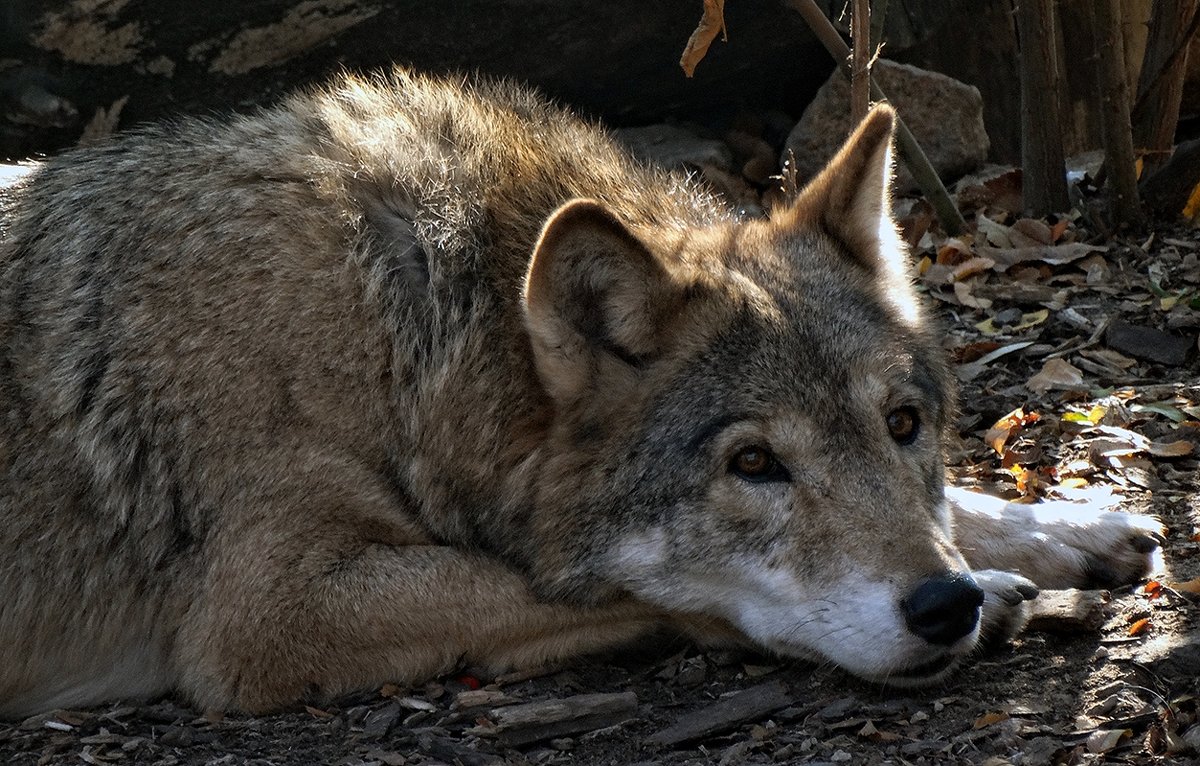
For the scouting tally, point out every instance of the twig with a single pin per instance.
(910, 151)
(860, 74)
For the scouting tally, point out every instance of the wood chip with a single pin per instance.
(1069, 611)
(519, 725)
(733, 711)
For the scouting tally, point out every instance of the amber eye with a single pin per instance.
(756, 463)
(904, 424)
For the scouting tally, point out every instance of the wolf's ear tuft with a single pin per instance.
(851, 198)
(594, 296)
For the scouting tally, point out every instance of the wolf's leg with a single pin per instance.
(324, 589)
(1054, 544)
(300, 623)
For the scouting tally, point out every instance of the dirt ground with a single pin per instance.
(1104, 408)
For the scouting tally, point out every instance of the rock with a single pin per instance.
(945, 116)
(675, 148)
(1148, 344)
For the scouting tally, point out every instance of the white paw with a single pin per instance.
(1056, 544)
(1005, 604)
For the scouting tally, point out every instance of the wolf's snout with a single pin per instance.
(943, 609)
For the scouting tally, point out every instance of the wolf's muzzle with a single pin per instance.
(943, 609)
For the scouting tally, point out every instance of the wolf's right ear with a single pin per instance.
(850, 199)
(595, 297)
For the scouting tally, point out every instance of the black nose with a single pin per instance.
(943, 609)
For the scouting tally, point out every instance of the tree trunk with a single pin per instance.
(1044, 188)
(1160, 86)
(1119, 161)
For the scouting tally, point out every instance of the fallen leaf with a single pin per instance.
(1055, 255)
(972, 267)
(962, 291)
(1106, 739)
(1152, 589)
(989, 719)
(712, 23)
(1004, 428)
(318, 712)
(1139, 626)
(1188, 586)
(1171, 449)
(1034, 231)
(1057, 231)
(1055, 373)
(1032, 319)
(972, 370)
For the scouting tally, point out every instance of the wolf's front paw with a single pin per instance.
(1005, 604)
(1056, 544)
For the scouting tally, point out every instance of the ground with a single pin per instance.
(1092, 336)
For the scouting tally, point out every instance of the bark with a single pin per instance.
(1125, 205)
(1160, 86)
(1044, 188)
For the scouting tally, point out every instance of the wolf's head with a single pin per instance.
(748, 424)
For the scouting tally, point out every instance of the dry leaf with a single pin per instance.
(712, 23)
(1004, 428)
(318, 712)
(1188, 586)
(988, 719)
(1035, 231)
(971, 267)
(1152, 589)
(1139, 626)
(1056, 255)
(1032, 319)
(1106, 739)
(103, 123)
(962, 291)
(1171, 449)
(1055, 373)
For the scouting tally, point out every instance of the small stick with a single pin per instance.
(910, 151)
(860, 74)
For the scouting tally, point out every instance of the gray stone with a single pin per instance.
(675, 148)
(945, 116)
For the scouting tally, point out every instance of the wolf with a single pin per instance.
(410, 373)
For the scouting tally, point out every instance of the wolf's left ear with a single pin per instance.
(851, 198)
(595, 299)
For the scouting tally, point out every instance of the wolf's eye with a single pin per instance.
(757, 464)
(904, 424)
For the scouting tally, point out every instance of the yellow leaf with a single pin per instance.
(1192, 208)
(987, 327)
(1031, 319)
(923, 265)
